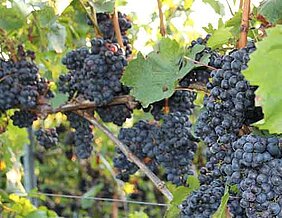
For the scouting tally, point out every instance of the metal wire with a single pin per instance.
(105, 199)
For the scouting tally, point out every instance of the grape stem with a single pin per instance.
(244, 24)
(200, 63)
(128, 100)
(117, 28)
(160, 185)
(194, 88)
(93, 17)
(161, 16)
(123, 99)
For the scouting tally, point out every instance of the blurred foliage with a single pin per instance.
(51, 29)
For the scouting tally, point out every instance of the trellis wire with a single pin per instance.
(104, 199)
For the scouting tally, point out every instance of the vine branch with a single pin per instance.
(161, 16)
(244, 24)
(200, 63)
(160, 185)
(117, 28)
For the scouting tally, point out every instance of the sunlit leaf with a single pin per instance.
(267, 74)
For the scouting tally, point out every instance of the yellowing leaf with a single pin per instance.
(128, 188)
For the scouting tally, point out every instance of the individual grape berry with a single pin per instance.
(47, 137)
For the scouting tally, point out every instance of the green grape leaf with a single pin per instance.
(265, 71)
(58, 100)
(172, 212)
(179, 195)
(11, 18)
(216, 5)
(221, 211)
(154, 77)
(104, 6)
(88, 203)
(57, 37)
(235, 23)
(219, 37)
(14, 137)
(271, 10)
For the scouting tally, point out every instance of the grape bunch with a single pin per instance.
(23, 118)
(141, 140)
(96, 76)
(225, 108)
(225, 112)
(176, 148)
(47, 137)
(22, 87)
(170, 146)
(203, 202)
(115, 113)
(256, 168)
(106, 27)
(180, 101)
(83, 136)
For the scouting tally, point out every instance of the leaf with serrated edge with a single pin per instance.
(217, 6)
(220, 37)
(265, 71)
(104, 6)
(179, 195)
(271, 10)
(155, 77)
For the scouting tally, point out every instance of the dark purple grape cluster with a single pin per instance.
(47, 138)
(176, 149)
(23, 118)
(106, 25)
(170, 146)
(116, 114)
(74, 59)
(225, 112)
(83, 136)
(21, 87)
(180, 101)
(225, 109)
(256, 169)
(141, 140)
(97, 77)
(203, 202)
